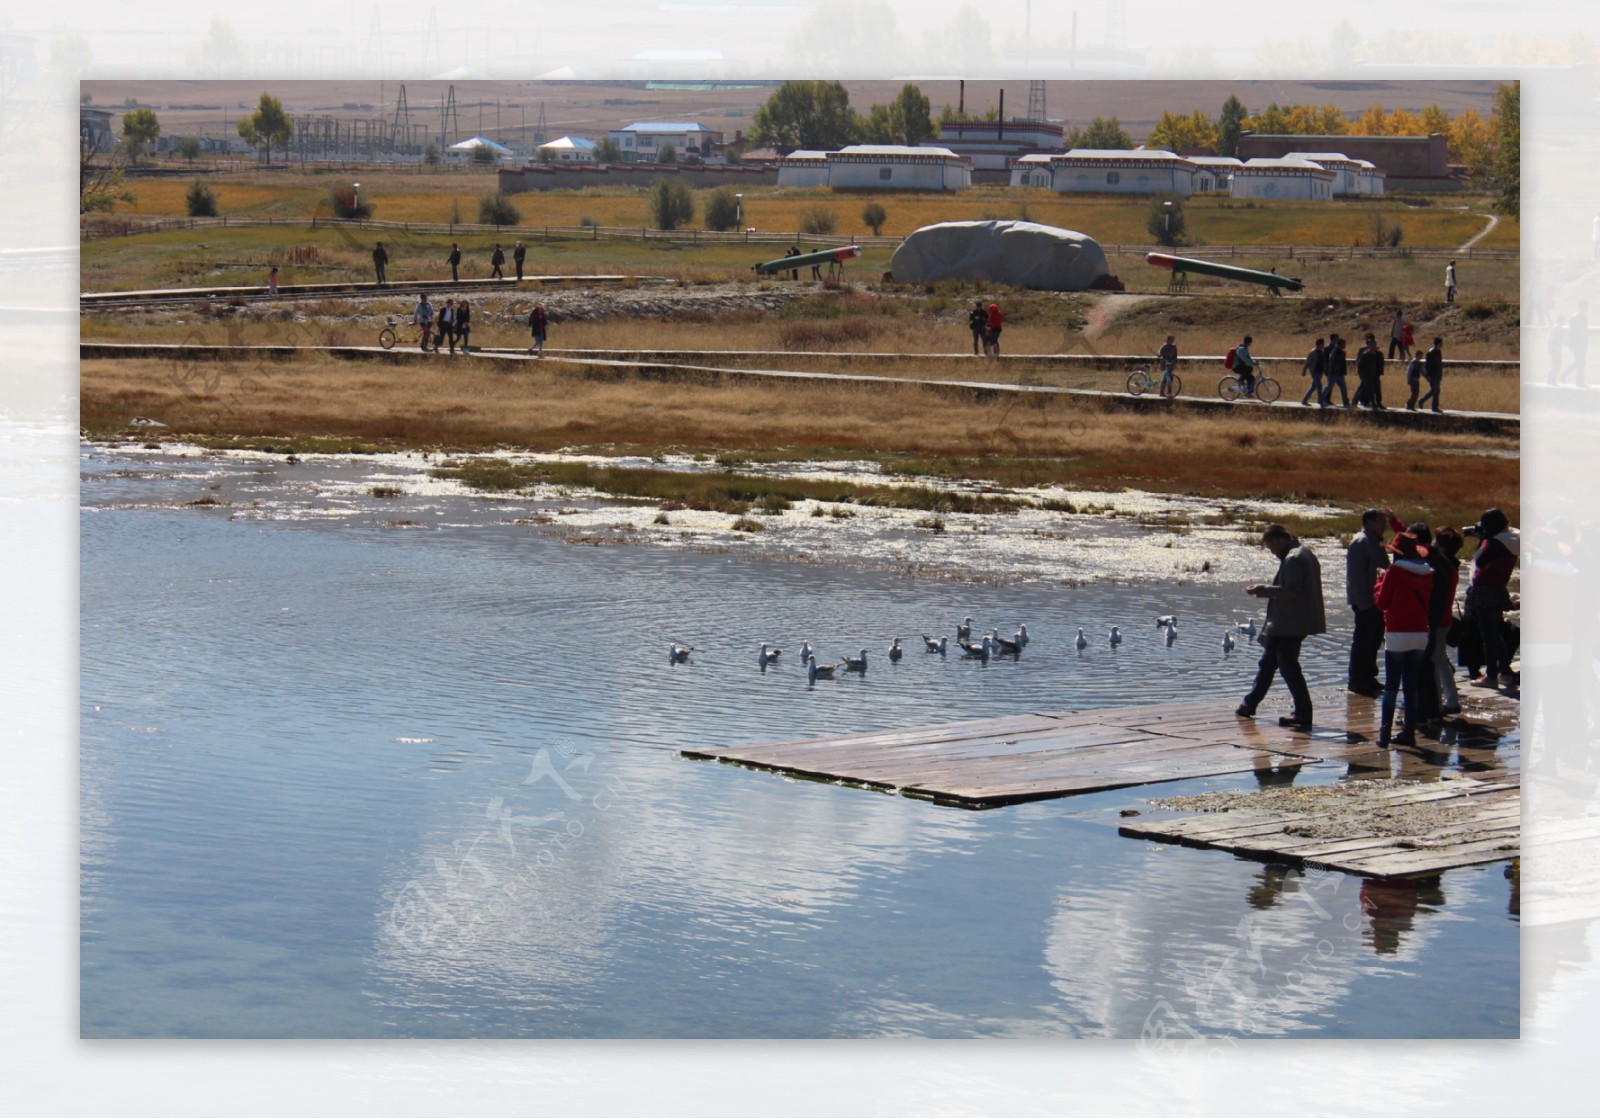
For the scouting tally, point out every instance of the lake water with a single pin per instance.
(344, 779)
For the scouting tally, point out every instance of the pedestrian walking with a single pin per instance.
(1403, 591)
(272, 281)
(1487, 597)
(1167, 357)
(978, 323)
(455, 263)
(1414, 382)
(464, 326)
(1397, 334)
(1369, 373)
(1407, 340)
(422, 315)
(538, 325)
(996, 321)
(1364, 559)
(1295, 611)
(497, 264)
(447, 326)
(518, 255)
(1316, 367)
(1433, 373)
(380, 261)
(1578, 343)
(1450, 283)
(1337, 366)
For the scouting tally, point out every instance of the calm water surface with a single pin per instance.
(341, 779)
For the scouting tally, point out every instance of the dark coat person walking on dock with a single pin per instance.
(1433, 373)
(1295, 612)
(1336, 372)
(455, 263)
(1363, 560)
(380, 260)
(497, 264)
(1369, 369)
(1316, 367)
(518, 255)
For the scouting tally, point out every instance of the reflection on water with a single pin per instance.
(343, 780)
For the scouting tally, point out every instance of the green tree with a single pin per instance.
(1176, 133)
(873, 215)
(346, 203)
(139, 130)
(811, 115)
(1229, 125)
(1164, 219)
(100, 182)
(722, 209)
(671, 204)
(908, 119)
(498, 209)
(269, 125)
(430, 154)
(483, 155)
(200, 200)
(818, 218)
(189, 148)
(608, 150)
(666, 153)
(1101, 133)
(1507, 165)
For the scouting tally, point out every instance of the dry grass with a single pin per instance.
(467, 404)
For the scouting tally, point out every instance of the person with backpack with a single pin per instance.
(1243, 365)
(538, 324)
(518, 255)
(1316, 366)
(978, 323)
(1337, 365)
(455, 263)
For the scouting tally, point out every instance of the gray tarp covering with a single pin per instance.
(1022, 253)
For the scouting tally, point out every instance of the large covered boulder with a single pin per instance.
(1021, 253)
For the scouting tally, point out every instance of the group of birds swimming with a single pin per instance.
(991, 644)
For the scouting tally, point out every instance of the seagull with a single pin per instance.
(854, 664)
(1022, 634)
(979, 651)
(815, 671)
(805, 652)
(769, 654)
(1227, 641)
(964, 630)
(932, 646)
(1004, 645)
(1116, 635)
(677, 654)
(1172, 632)
(1166, 620)
(1082, 642)
(895, 652)
(1248, 628)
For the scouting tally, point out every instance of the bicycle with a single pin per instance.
(1264, 388)
(387, 336)
(1140, 382)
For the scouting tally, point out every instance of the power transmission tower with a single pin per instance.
(374, 51)
(1036, 100)
(538, 127)
(402, 121)
(430, 44)
(1117, 25)
(449, 120)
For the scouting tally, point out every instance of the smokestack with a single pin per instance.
(961, 99)
(1001, 135)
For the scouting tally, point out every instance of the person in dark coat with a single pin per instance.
(539, 327)
(1364, 558)
(380, 260)
(1488, 597)
(463, 326)
(497, 264)
(1294, 612)
(978, 323)
(1337, 367)
(1433, 373)
(1316, 367)
(518, 255)
(1369, 369)
(455, 263)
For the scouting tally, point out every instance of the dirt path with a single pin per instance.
(1109, 308)
(1482, 233)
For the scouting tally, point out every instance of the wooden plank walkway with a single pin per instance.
(985, 763)
(1416, 828)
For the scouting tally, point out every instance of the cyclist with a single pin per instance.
(423, 317)
(1167, 355)
(1245, 366)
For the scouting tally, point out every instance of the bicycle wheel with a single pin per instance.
(1138, 381)
(1267, 390)
(1174, 388)
(1229, 388)
(386, 338)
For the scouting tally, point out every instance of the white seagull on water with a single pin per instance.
(677, 654)
(1082, 642)
(895, 652)
(1116, 635)
(932, 646)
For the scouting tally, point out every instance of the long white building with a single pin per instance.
(1106, 171)
(1350, 176)
(1299, 179)
(877, 167)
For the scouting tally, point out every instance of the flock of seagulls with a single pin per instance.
(990, 644)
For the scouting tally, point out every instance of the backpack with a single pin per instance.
(1227, 362)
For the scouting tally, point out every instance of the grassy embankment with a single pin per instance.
(467, 405)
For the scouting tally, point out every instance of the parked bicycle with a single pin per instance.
(1262, 388)
(1141, 381)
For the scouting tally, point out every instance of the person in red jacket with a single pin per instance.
(991, 341)
(1403, 593)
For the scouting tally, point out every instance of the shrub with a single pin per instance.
(498, 209)
(1167, 224)
(873, 215)
(818, 219)
(200, 201)
(666, 153)
(587, 222)
(722, 210)
(671, 204)
(483, 155)
(189, 148)
(1385, 234)
(747, 524)
(430, 154)
(346, 204)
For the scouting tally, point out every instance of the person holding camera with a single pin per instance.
(1487, 595)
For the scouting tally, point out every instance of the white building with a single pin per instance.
(642, 140)
(1282, 178)
(470, 147)
(877, 167)
(1107, 171)
(568, 149)
(1213, 172)
(992, 145)
(1351, 176)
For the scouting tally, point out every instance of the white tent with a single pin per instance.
(466, 147)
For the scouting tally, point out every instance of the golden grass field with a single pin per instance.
(465, 403)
